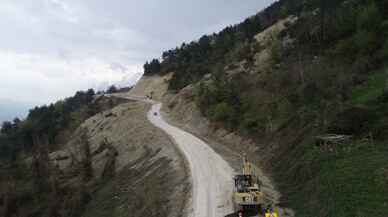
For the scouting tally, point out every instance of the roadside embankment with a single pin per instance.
(136, 168)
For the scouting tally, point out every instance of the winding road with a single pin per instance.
(212, 177)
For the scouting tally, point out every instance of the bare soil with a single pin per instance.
(137, 168)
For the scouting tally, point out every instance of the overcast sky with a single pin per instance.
(51, 48)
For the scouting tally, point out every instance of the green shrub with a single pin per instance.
(366, 41)
(250, 123)
(369, 18)
(222, 112)
(346, 48)
(372, 89)
(276, 51)
(384, 50)
(354, 121)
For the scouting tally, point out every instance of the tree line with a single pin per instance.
(49, 120)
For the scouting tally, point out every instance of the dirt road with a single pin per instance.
(212, 177)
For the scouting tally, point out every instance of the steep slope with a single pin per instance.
(180, 110)
(115, 164)
(150, 174)
(280, 84)
(153, 87)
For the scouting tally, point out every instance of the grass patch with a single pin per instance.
(371, 90)
(348, 184)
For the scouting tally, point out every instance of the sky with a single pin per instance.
(51, 48)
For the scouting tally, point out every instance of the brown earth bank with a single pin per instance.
(150, 173)
(115, 164)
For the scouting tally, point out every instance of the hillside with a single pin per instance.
(90, 155)
(286, 81)
(301, 88)
(113, 164)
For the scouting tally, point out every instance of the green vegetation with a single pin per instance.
(330, 78)
(349, 183)
(371, 90)
(192, 61)
(50, 120)
(222, 112)
(40, 188)
(152, 67)
(55, 123)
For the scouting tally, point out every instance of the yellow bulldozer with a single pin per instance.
(247, 196)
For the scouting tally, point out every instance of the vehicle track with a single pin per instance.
(212, 177)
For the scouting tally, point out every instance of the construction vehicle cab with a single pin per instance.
(247, 195)
(242, 183)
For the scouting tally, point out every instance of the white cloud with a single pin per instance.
(51, 48)
(46, 79)
(62, 10)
